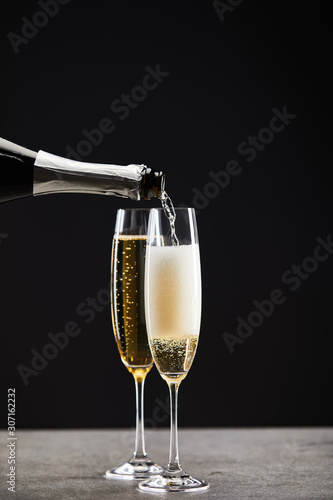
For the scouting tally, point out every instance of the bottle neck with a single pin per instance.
(16, 171)
(55, 174)
(8, 148)
(24, 172)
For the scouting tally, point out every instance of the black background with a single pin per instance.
(225, 77)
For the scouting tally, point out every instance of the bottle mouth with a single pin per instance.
(153, 184)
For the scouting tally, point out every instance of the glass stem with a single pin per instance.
(140, 451)
(173, 465)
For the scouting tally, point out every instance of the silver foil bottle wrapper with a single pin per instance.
(54, 174)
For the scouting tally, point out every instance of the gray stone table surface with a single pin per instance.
(253, 463)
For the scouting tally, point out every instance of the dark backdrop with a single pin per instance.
(227, 71)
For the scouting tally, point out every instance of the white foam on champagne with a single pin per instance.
(173, 288)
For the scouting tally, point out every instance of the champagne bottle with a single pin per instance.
(25, 173)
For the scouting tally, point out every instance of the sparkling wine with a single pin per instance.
(127, 302)
(173, 356)
(170, 213)
(173, 306)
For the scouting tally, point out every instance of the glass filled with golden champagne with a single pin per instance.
(129, 325)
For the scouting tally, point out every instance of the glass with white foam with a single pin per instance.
(173, 314)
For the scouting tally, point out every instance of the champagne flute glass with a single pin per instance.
(128, 318)
(173, 314)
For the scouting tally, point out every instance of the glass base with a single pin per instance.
(168, 482)
(135, 468)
